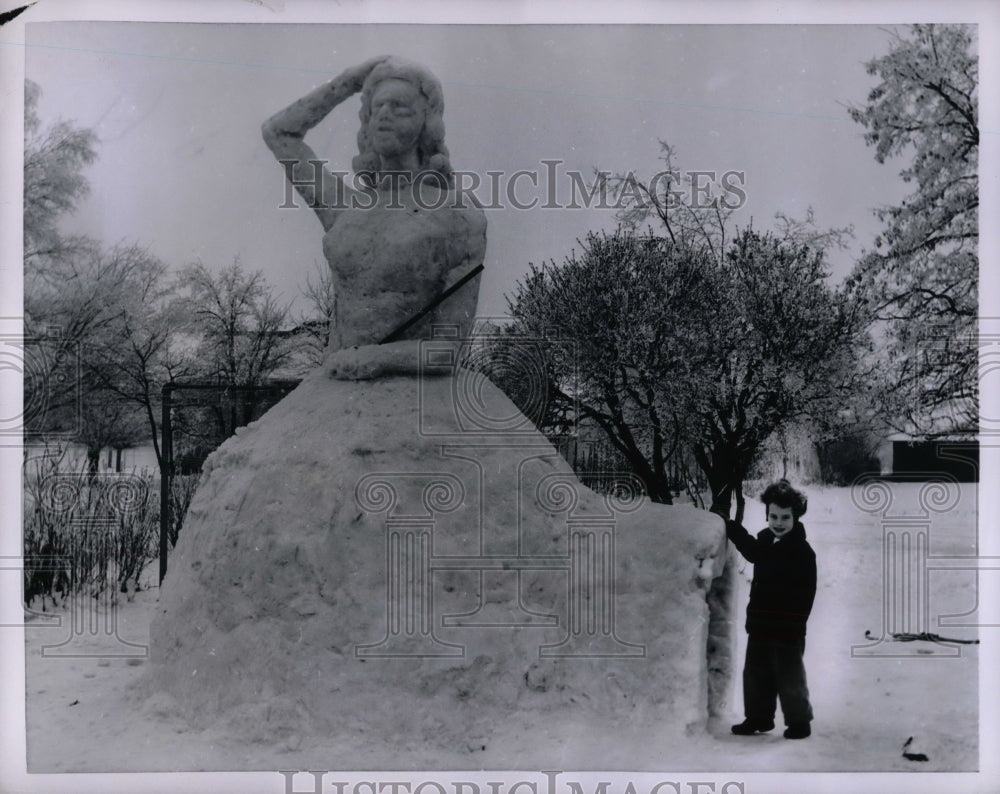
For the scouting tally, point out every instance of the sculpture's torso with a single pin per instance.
(390, 261)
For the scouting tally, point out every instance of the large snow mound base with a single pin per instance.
(381, 560)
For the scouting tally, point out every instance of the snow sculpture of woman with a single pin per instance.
(397, 236)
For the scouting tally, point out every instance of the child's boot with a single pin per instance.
(797, 730)
(749, 727)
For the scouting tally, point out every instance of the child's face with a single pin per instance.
(780, 520)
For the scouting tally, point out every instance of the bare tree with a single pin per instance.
(921, 281)
(236, 323)
(314, 324)
(118, 323)
(54, 180)
(139, 349)
(237, 320)
(687, 216)
(676, 351)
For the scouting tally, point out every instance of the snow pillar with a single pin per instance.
(721, 646)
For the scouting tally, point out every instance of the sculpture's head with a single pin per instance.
(402, 106)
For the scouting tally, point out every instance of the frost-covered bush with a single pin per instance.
(86, 532)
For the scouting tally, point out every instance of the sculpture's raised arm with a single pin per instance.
(285, 131)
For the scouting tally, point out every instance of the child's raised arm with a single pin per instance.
(744, 542)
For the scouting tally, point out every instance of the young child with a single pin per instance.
(781, 597)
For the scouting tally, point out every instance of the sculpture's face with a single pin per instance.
(397, 118)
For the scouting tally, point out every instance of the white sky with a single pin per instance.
(182, 167)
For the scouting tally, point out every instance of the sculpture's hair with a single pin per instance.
(432, 154)
(782, 494)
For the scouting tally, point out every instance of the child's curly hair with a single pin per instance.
(782, 494)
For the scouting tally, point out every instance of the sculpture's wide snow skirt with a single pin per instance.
(408, 560)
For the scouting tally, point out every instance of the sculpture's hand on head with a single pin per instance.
(355, 76)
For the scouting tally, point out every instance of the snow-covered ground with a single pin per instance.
(81, 719)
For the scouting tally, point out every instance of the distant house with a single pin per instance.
(946, 444)
(954, 454)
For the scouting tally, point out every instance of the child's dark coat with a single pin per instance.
(784, 580)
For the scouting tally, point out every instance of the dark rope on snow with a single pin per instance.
(924, 636)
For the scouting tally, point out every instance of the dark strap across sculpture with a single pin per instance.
(398, 331)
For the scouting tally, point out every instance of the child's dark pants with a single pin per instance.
(774, 670)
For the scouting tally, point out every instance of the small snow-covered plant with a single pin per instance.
(85, 532)
(182, 488)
